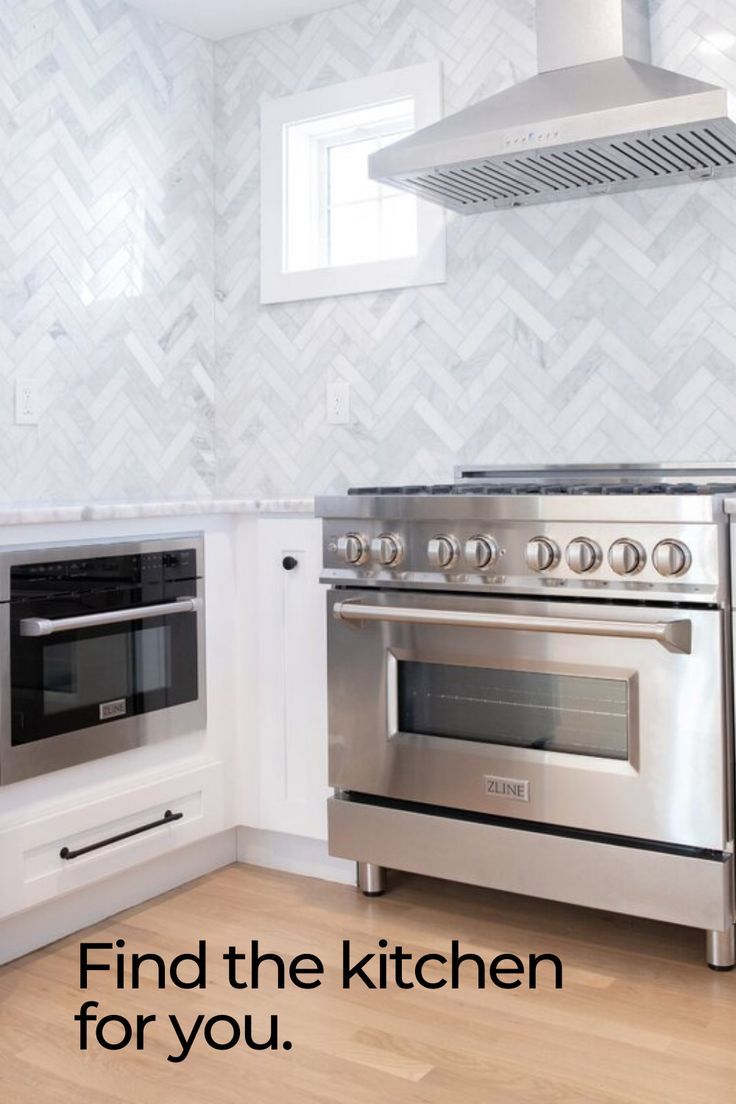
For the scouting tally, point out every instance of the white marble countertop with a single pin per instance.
(40, 513)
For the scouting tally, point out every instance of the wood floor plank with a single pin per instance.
(640, 1020)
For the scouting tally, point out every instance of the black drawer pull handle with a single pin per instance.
(167, 818)
(289, 563)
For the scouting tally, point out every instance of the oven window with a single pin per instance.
(86, 677)
(81, 673)
(528, 709)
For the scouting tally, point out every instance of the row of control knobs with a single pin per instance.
(625, 556)
(583, 555)
(479, 553)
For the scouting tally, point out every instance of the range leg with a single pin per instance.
(720, 949)
(371, 879)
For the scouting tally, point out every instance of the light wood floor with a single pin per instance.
(640, 1019)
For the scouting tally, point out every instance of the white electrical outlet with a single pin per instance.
(26, 401)
(338, 403)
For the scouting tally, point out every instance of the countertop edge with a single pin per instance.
(21, 514)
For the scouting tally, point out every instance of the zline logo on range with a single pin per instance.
(517, 789)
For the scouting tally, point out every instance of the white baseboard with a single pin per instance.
(36, 927)
(294, 854)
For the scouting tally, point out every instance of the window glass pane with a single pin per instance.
(563, 713)
(355, 233)
(399, 230)
(326, 176)
(348, 172)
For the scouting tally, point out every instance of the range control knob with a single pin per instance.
(387, 549)
(352, 549)
(626, 557)
(442, 552)
(671, 557)
(480, 553)
(541, 554)
(583, 555)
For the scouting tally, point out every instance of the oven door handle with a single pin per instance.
(45, 626)
(675, 636)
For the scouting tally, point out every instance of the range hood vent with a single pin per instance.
(598, 118)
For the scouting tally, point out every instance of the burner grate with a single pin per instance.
(518, 489)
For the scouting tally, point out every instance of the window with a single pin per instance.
(327, 228)
(528, 709)
(346, 218)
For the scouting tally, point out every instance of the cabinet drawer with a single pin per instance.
(53, 855)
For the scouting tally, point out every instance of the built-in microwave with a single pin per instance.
(101, 650)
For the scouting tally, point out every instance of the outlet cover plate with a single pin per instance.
(338, 403)
(27, 393)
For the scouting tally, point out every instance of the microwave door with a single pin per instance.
(74, 673)
(102, 651)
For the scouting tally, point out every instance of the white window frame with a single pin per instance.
(423, 84)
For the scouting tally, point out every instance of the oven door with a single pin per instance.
(87, 682)
(584, 716)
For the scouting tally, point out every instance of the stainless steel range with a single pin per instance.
(531, 686)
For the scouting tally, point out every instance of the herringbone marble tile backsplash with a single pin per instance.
(106, 252)
(598, 329)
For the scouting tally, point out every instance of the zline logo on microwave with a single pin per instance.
(118, 708)
(516, 789)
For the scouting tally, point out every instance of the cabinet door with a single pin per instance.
(54, 854)
(292, 682)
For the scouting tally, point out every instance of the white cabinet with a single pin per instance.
(54, 854)
(288, 738)
(261, 763)
(95, 802)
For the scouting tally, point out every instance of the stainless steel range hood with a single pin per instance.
(598, 118)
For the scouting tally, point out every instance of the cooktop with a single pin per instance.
(493, 488)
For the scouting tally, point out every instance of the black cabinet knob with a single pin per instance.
(289, 563)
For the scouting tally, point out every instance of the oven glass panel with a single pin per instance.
(89, 677)
(528, 709)
(80, 673)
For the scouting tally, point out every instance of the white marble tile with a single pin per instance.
(600, 329)
(106, 261)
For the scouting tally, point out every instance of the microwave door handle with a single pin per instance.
(45, 626)
(675, 636)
